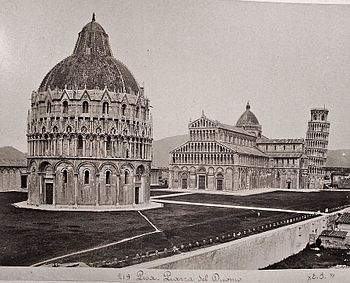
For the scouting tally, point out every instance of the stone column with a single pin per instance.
(40, 188)
(68, 146)
(118, 189)
(133, 189)
(75, 145)
(54, 190)
(75, 189)
(98, 146)
(61, 145)
(105, 146)
(98, 189)
(113, 147)
(142, 189)
(84, 145)
(54, 146)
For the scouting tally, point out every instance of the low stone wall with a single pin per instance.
(10, 178)
(253, 252)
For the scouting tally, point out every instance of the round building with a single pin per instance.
(89, 131)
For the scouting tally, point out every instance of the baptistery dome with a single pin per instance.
(91, 65)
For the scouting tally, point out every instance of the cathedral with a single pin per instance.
(229, 158)
(89, 131)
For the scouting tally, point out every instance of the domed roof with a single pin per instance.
(247, 118)
(91, 65)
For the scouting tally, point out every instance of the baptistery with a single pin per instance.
(89, 131)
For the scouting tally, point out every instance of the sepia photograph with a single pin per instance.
(174, 141)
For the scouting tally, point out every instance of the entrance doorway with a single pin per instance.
(219, 184)
(137, 192)
(201, 182)
(49, 193)
(184, 183)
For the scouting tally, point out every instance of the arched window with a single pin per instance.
(85, 107)
(65, 176)
(105, 107)
(126, 177)
(108, 177)
(65, 106)
(48, 107)
(108, 143)
(86, 177)
(80, 142)
(123, 109)
(137, 112)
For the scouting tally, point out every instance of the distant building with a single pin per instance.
(13, 170)
(337, 169)
(225, 157)
(288, 162)
(218, 157)
(89, 130)
(159, 176)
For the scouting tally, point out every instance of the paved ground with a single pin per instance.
(233, 206)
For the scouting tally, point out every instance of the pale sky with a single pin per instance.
(191, 55)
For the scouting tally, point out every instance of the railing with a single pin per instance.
(209, 241)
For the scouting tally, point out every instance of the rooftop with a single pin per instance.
(334, 234)
(344, 218)
(281, 141)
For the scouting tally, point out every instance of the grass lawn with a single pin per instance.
(183, 224)
(29, 236)
(312, 201)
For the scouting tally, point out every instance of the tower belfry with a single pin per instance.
(316, 145)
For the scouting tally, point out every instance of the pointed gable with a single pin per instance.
(202, 122)
(106, 97)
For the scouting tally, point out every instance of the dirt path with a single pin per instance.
(234, 206)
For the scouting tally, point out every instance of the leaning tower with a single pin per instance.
(316, 146)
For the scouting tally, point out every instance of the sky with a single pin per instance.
(191, 56)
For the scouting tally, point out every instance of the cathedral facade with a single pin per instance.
(230, 158)
(89, 130)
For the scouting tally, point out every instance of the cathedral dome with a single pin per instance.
(91, 65)
(247, 118)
